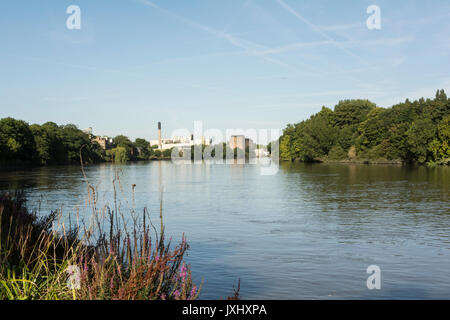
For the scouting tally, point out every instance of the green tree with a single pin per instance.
(372, 131)
(421, 133)
(337, 153)
(346, 137)
(411, 131)
(285, 147)
(118, 155)
(167, 153)
(158, 153)
(74, 140)
(43, 145)
(318, 136)
(16, 141)
(124, 142)
(440, 147)
(351, 112)
(143, 149)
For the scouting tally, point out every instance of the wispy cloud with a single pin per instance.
(340, 27)
(245, 5)
(249, 47)
(342, 44)
(186, 58)
(384, 41)
(232, 39)
(318, 30)
(292, 47)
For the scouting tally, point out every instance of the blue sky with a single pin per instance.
(231, 63)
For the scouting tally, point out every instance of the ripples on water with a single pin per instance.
(308, 232)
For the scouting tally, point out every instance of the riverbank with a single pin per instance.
(42, 259)
(396, 162)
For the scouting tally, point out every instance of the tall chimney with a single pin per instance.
(159, 135)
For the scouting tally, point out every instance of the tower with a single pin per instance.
(159, 136)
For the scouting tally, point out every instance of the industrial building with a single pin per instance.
(178, 141)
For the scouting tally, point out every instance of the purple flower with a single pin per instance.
(193, 292)
(183, 272)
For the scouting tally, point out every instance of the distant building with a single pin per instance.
(104, 142)
(248, 143)
(178, 141)
(181, 139)
(88, 131)
(154, 143)
(238, 142)
(203, 141)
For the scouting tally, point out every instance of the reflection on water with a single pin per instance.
(309, 232)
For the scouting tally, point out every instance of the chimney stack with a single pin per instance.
(159, 135)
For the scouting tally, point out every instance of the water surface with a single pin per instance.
(308, 232)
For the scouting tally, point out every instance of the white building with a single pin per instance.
(261, 153)
(181, 142)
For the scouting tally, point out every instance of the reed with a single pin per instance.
(41, 258)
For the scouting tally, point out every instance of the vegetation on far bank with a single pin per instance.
(359, 131)
(355, 131)
(52, 144)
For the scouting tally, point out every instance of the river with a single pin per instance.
(308, 232)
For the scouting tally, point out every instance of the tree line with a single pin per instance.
(359, 130)
(52, 144)
(125, 150)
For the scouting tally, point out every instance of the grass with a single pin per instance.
(42, 259)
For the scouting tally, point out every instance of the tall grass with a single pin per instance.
(41, 258)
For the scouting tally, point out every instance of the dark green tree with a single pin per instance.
(143, 149)
(124, 142)
(351, 112)
(421, 133)
(16, 141)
